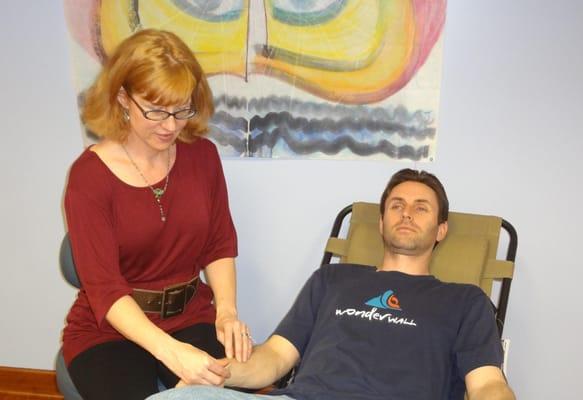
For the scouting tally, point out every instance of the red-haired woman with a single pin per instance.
(147, 210)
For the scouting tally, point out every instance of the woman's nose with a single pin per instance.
(169, 123)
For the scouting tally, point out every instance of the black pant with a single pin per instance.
(125, 371)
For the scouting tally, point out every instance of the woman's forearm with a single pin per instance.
(221, 277)
(231, 332)
(126, 316)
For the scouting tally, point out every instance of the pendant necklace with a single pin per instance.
(158, 192)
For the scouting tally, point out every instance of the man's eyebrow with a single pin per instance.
(425, 201)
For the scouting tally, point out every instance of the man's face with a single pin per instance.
(410, 225)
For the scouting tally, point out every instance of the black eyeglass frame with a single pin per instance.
(176, 114)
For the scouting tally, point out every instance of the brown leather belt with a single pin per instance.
(168, 302)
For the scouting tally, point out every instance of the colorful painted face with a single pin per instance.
(297, 78)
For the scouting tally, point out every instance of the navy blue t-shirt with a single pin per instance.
(368, 334)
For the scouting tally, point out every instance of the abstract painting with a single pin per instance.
(341, 79)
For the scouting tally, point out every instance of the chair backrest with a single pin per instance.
(67, 264)
(466, 255)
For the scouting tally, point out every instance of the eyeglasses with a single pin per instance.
(161, 115)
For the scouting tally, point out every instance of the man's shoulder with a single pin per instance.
(344, 268)
(341, 272)
(465, 295)
(457, 287)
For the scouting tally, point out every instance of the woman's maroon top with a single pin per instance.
(120, 242)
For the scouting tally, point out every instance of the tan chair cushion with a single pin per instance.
(460, 259)
(466, 255)
(365, 245)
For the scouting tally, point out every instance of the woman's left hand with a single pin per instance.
(234, 335)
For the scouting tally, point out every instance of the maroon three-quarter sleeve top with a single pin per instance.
(119, 241)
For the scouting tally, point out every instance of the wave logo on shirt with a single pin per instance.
(387, 301)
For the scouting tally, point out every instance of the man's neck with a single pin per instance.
(408, 264)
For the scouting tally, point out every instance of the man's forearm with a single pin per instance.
(259, 371)
(493, 391)
(269, 362)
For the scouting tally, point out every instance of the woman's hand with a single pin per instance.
(194, 366)
(234, 335)
(231, 332)
(190, 364)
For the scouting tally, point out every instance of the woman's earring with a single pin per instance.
(126, 115)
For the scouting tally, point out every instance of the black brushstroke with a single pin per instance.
(305, 128)
(344, 125)
(342, 142)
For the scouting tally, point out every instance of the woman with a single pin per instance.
(147, 210)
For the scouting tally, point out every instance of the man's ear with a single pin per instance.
(122, 98)
(381, 225)
(441, 231)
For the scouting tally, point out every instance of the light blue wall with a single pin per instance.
(509, 144)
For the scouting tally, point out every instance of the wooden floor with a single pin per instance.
(37, 384)
(29, 384)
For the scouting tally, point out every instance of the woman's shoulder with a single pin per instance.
(88, 161)
(201, 151)
(88, 169)
(200, 145)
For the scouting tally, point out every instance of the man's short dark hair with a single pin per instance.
(424, 177)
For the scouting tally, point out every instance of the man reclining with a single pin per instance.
(391, 332)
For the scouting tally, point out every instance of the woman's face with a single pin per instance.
(158, 135)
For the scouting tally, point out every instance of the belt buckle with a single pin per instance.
(173, 300)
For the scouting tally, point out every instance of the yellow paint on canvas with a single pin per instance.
(114, 23)
(367, 83)
(220, 47)
(347, 36)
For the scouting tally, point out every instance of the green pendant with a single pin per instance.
(158, 193)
